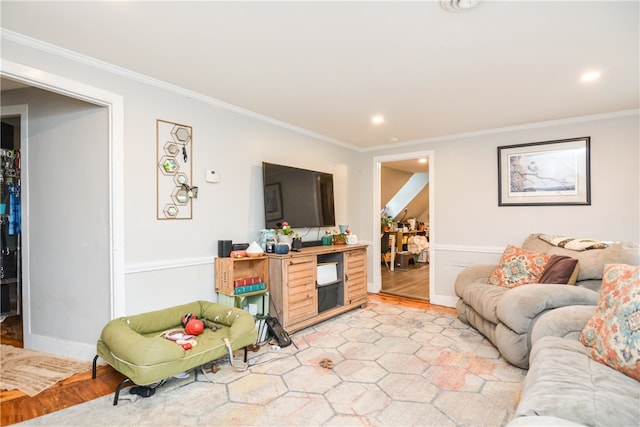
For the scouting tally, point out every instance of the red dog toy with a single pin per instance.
(192, 325)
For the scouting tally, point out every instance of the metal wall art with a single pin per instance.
(545, 173)
(173, 170)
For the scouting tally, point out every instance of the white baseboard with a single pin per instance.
(443, 300)
(372, 288)
(72, 349)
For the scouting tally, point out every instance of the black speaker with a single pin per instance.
(224, 248)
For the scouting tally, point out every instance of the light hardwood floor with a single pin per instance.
(412, 282)
(15, 406)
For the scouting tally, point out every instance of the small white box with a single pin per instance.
(253, 309)
(212, 176)
(327, 273)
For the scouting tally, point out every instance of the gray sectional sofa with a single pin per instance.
(565, 387)
(506, 316)
(538, 327)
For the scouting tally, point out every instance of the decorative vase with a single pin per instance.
(283, 238)
(282, 248)
(339, 239)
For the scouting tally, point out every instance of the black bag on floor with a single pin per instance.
(276, 330)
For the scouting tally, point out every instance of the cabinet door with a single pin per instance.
(224, 275)
(302, 295)
(355, 275)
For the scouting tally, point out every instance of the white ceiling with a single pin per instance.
(327, 67)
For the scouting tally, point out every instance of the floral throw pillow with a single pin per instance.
(518, 267)
(613, 333)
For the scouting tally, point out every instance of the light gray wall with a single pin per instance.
(172, 261)
(169, 262)
(68, 219)
(469, 226)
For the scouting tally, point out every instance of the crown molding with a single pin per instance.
(494, 131)
(132, 75)
(160, 84)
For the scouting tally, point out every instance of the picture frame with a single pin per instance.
(548, 173)
(273, 202)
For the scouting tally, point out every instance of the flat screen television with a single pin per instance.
(301, 197)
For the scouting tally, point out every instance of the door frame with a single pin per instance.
(22, 112)
(377, 187)
(115, 111)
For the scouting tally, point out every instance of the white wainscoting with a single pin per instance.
(160, 284)
(450, 261)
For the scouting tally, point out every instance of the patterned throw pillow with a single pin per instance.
(613, 333)
(518, 267)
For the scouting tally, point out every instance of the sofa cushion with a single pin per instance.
(591, 262)
(614, 331)
(519, 307)
(564, 322)
(561, 270)
(484, 298)
(573, 243)
(518, 267)
(564, 382)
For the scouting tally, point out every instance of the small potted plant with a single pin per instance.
(341, 238)
(385, 222)
(286, 234)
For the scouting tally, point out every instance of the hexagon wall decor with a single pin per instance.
(173, 170)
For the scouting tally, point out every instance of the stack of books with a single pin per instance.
(250, 284)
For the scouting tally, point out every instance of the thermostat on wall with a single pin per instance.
(212, 176)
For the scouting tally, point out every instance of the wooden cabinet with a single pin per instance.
(227, 270)
(296, 298)
(300, 295)
(355, 275)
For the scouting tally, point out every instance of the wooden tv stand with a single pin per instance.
(295, 294)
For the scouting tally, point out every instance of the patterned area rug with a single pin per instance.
(32, 372)
(384, 366)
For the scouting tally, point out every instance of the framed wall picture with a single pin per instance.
(273, 202)
(545, 173)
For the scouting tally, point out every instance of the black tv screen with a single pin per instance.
(301, 197)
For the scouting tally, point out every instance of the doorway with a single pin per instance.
(405, 198)
(10, 224)
(84, 209)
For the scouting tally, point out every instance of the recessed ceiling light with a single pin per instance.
(458, 5)
(590, 76)
(423, 160)
(376, 120)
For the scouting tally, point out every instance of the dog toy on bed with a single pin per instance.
(194, 326)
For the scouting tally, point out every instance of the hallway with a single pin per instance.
(412, 282)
